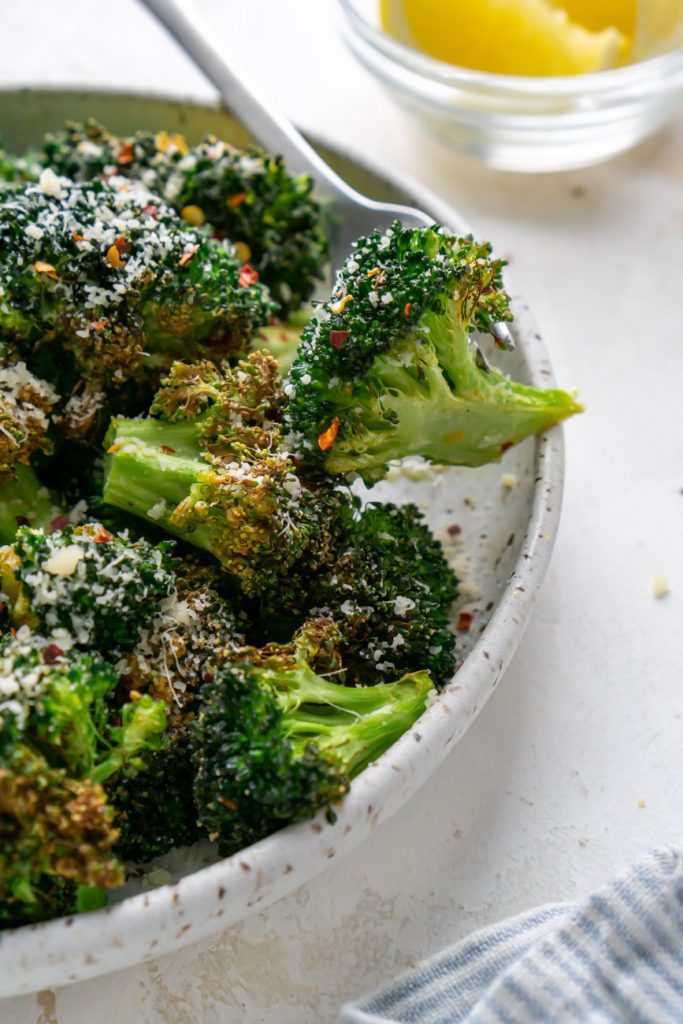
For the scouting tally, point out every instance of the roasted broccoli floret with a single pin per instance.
(273, 746)
(207, 468)
(315, 643)
(155, 808)
(26, 405)
(25, 410)
(109, 278)
(56, 834)
(389, 592)
(101, 588)
(59, 742)
(387, 369)
(271, 216)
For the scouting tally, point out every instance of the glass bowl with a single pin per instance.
(517, 123)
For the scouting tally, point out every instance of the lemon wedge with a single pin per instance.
(510, 37)
(659, 28)
(596, 15)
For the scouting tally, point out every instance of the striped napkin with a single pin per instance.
(614, 957)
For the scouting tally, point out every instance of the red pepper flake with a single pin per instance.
(101, 537)
(77, 236)
(227, 802)
(188, 255)
(371, 273)
(114, 447)
(98, 325)
(454, 530)
(406, 309)
(506, 446)
(52, 653)
(167, 448)
(236, 200)
(151, 211)
(122, 245)
(464, 621)
(248, 275)
(126, 154)
(13, 632)
(338, 338)
(327, 439)
(380, 278)
(58, 523)
(22, 521)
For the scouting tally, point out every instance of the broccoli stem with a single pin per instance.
(353, 724)
(446, 408)
(24, 498)
(141, 732)
(151, 466)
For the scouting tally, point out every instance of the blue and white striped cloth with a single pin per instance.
(615, 957)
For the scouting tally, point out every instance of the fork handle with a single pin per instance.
(272, 131)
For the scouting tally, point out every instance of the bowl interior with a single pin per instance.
(497, 525)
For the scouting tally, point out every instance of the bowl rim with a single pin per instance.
(607, 83)
(206, 901)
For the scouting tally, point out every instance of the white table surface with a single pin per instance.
(576, 764)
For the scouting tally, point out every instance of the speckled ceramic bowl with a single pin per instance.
(497, 524)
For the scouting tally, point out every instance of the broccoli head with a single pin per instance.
(25, 410)
(208, 468)
(195, 620)
(26, 405)
(387, 369)
(106, 275)
(155, 808)
(59, 742)
(271, 216)
(102, 589)
(59, 701)
(388, 592)
(56, 834)
(275, 745)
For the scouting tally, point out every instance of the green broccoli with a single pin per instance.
(208, 468)
(282, 338)
(389, 592)
(100, 282)
(275, 745)
(56, 835)
(26, 405)
(272, 217)
(25, 500)
(101, 588)
(155, 808)
(59, 742)
(387, 369)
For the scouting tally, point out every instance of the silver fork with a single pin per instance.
(355, 214)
